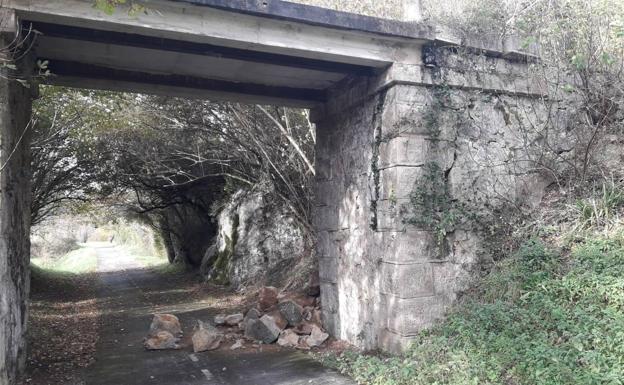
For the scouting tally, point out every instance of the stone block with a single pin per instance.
(398, 182)
(292, 312)
(407, 281)
(403, 151)
(405, 118)
(328, 270)
(323, 243)
(327, 193)
(394, 343)
(264, 330)
(329, 298)
(325, 218)
(407, 317)
(323, 168)
(390, 214)
(452, 278)
(331, 323)
(410, 246)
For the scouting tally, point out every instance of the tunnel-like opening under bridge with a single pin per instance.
(362, 77)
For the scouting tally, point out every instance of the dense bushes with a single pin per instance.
(556, 320)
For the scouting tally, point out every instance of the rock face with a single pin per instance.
(257, 242)
(161, 340)
(205, 337)
(165, 322)
(264, 329)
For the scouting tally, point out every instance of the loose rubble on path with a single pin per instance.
(287, 319)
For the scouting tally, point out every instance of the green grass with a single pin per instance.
(80, 261)
(540, 318)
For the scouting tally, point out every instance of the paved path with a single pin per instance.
(121, 359)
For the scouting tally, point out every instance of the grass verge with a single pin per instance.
(80, 261)
(540, 318)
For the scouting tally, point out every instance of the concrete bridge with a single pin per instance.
(374, 87)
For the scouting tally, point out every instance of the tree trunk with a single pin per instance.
(15, 114)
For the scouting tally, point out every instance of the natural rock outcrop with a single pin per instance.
(258, 242)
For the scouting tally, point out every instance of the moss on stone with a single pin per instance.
(221, 265)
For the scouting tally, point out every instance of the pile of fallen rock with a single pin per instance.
(290, 320)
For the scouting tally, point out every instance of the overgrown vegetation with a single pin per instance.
(543, 316)
(166, 162)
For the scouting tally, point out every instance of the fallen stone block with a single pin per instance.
(264, 329)
(288, 338)
(304, 328)
(316, 337)
(304, 301)
(233, 319)
(205, 337)
(219, 320)
(239, 344)
(267, 298)
(252, 314)
(292, 311)
(279, 319)
(161, 340)
(165, 322)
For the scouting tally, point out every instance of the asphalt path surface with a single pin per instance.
(127, 312)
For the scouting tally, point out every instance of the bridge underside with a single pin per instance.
(276, 53)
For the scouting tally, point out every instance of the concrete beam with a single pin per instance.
(209, 25)
(187, 47)
(330, 18)
(165, 62)
(87, 76)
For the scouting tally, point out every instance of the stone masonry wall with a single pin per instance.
(386, 271)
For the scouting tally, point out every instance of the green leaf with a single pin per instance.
(568, 88)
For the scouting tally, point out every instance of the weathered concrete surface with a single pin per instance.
(127, 312)
(15, 132)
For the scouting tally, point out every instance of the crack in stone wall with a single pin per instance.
(375, 172)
